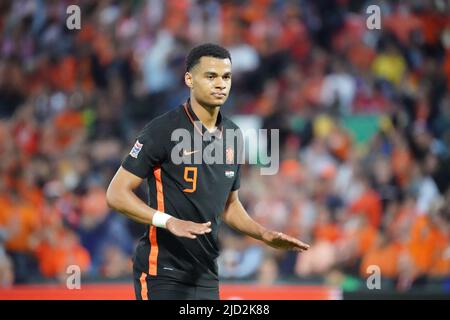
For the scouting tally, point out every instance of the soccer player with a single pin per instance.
(176, 257)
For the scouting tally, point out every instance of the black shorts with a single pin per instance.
(153, 288)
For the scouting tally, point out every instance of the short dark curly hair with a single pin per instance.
(205, 50)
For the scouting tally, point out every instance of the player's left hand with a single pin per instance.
(279, 240)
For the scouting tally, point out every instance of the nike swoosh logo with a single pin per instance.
(186, 153)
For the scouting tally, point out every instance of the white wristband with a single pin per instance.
(160, 219)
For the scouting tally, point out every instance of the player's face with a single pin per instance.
(210, 81)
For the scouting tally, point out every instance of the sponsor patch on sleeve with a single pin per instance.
(136, 149)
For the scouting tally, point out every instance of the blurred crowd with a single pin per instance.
(72, 101)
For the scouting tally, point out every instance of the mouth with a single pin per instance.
(219, 95)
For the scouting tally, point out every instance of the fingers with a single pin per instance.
(201, 228)
(191, 236)
(302, 246)
(299, 244)
(195, 229)
(296, 244)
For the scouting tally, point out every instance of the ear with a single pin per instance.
(188, 79)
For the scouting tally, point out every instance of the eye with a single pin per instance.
(227, 77)
(210, 77)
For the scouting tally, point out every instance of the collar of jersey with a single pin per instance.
(195, 120)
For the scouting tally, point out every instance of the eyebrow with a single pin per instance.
(228, 73)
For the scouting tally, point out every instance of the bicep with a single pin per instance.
(124, 179)
(232, 197)
(234, 214)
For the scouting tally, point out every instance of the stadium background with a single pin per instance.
(364, 119)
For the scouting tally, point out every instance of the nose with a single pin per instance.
(220, 83)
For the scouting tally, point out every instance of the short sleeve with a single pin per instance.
(147, 152)
(237, 180)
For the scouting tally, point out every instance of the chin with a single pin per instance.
(215, 103)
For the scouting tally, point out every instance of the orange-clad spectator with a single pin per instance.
(402, 23)
(312, 89)
(426, 243)
(21, 220)
(358, 237)
(266, 103)
(325, 228)
(176, 16)
(441, 264)
(366, 236)
(51, 215)
(4, 135)
(103, 47)
(350, 34)
(68, 125)
(5, 208)
(84, 75)
(25, 131)
(60, 249)
(25, 184)
(385, 254)
(295, 36)
(86, 34)
(399, 221)
(447, 64)
(340, 143)
(228, 18)
(62, 74)
(432, 25)
(26, 136)
(330, 232)
(255, 11)
(422, 107)
(361, 56)
(31, 194)
(440, 219)
(368, 204)
(401, 162)
(291, 168)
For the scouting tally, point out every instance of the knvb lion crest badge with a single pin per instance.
(229, 155)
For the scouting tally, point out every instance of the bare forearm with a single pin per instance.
(121, 197)
(237, 217)
(130, 205)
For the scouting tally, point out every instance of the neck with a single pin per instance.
(207, 115)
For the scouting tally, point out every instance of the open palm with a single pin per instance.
(279, 240)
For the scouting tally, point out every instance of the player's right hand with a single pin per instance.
(187, 229)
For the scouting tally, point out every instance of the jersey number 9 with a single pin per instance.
(190, 175)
